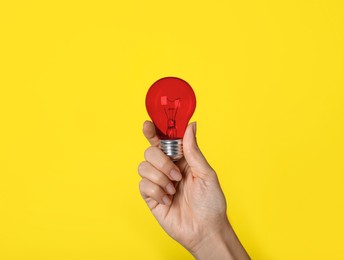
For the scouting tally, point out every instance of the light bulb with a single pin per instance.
(170, 103)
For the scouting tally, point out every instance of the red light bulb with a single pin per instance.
(170, 103)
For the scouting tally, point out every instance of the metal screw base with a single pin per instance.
(172, 148)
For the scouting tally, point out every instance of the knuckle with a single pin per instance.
(149, 152)
(153, 154)
(154, 192)
(141, 184)
(146, 153)
(142, 167)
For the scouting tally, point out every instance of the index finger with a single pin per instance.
(150, 133)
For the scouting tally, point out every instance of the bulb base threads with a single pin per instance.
(172, 148)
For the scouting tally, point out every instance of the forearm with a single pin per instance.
(222, 246)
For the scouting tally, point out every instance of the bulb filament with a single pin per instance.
(171, 109)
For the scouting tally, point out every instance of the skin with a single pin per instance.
(186, 199)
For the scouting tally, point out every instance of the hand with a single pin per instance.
(186, 198)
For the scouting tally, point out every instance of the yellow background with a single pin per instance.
(268, 76)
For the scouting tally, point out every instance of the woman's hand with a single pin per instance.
(187, 200)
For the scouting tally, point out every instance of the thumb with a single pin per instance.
(193, 155)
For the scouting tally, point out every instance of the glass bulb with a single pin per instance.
(170, 103)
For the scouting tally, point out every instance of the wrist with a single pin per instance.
(214, 245)
(223, 245)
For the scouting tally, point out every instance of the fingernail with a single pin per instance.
(176, 175)
(170, 189)
(166, 200)
(195, 128)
